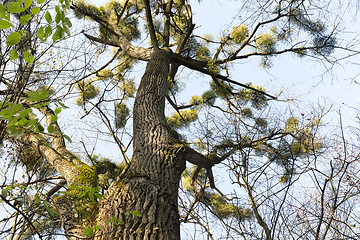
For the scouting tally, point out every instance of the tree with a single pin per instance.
(140, 195)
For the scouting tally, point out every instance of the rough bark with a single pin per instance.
(151, 186)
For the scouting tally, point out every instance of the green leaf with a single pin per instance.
(22, 31)
(15, 108)
(67, 137)
(40, 1)
(39, 105)
(107, 221)
(57, 36)
(5, 15)
(135, 212)
(14, 7)
(114, 220)
(54, 118)
(35, 10)
(62, 105)
(28, 3)
(25, 112)
(67, 22)
(23, 122)
(39, 128)
(24, 19)
(58, 17)
(73, 187)
(66, 29)
(91, 196)
(41, 34)
(6, 113)
(48, 30)
(96, 228)
(12, 122)
(50, 128)
(57, 110)
(43, 94)
(28, 57)
(53, 212)
(13, 39)
(2, 8)
(48, 17)
(37, 199)
(5, 24)
(34, 95)
(13, 54)
(98, 195)
(88, 232)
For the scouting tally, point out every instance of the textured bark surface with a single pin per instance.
(151, 186)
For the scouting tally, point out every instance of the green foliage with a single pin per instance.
(104, 74)
(199, 144)
(173, 86)
(86, 176)
(50, 90)
(197, 50)
(122, 113)
(255, 99)
(209, 97)
(5, 24)
(13, 38)
(86, 91)
(221, 89)
(177, 121)
(265, 43)
(202, 53)
(226, 210)
(85, 191)
(127, 23)
(323, 42)
(291, 125)
(17, 116)
(128, 87)
(261, 122)
(125, 64)
(187, 178)
(239, 33)
(217, 202)
(212, 67)
(246, 112)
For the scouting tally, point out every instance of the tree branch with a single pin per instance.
(187, 63)
(151, 25)
(166, 35)
(24, 216)
(135, 52)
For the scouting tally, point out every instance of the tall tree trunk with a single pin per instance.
(151, 186)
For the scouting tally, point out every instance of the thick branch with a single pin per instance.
(166, 37)
(151, 25)
(135, 52)
(189, 63)
(200, 160)
(54, 157)
(55, 189)
(188, 31)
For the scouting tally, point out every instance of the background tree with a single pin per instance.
(237, 128)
